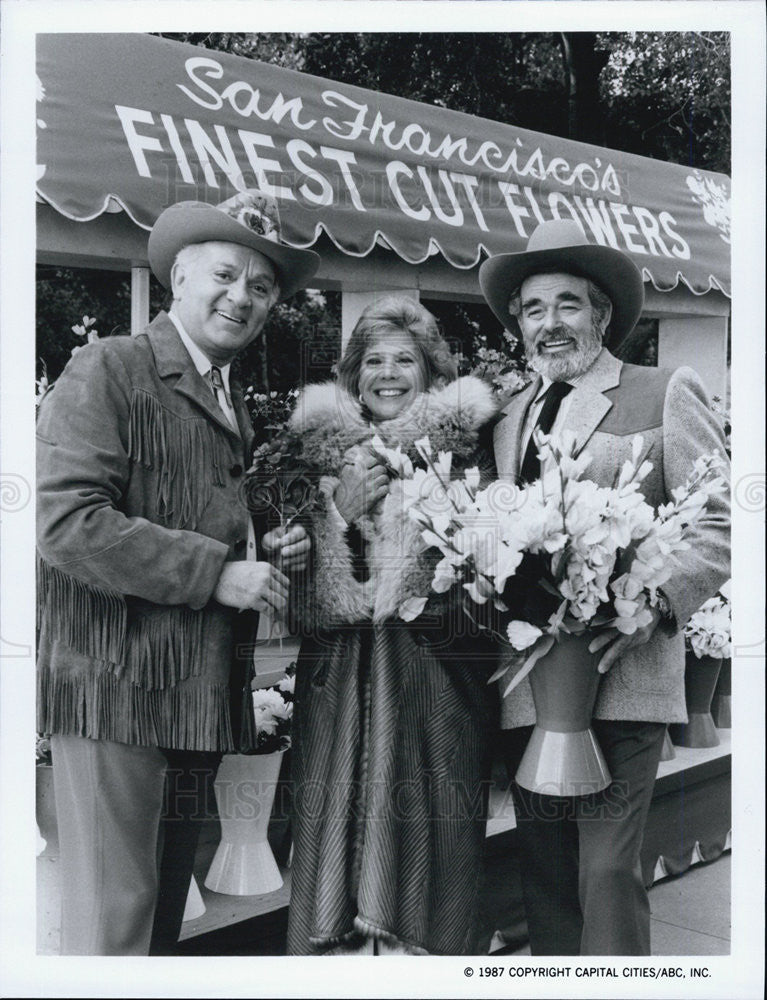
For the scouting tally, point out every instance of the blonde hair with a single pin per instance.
(398, 314)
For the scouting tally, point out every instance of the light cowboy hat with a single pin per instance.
(250, 218)
(561, 245)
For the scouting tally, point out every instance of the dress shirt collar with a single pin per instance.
(201, 362)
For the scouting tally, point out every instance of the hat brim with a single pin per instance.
(189, 222)
(615, 273)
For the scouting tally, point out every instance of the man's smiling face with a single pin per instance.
(222, 293)
(561, 333)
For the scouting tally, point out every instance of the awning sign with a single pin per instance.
(141, 122)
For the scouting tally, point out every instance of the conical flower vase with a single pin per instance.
(667, 751)
(244, 864)
(195, 907)
(700, 677)
(721, 706)
(563, 756)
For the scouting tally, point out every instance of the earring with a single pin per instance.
(362, 401)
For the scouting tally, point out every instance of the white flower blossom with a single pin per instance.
(522, 635)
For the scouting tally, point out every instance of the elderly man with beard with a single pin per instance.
(580, 857)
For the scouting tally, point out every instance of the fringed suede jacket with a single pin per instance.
(396, 565)
(139, 507)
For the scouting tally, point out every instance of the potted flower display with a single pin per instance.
(577, 563)
(45, 799)
(708, 635)
(245, 785)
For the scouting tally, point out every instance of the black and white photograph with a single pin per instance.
(382, 499)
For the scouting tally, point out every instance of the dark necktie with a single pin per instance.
(552, 398)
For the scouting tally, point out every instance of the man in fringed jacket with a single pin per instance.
(147, 553)
(581, 876)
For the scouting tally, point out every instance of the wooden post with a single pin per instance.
(699, 342)
(139, 299)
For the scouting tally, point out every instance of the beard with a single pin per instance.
(572, 362)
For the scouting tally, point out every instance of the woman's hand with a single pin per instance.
(291, 546)
(362, 483)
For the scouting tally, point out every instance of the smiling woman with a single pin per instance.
(395, 345)
(392, 722)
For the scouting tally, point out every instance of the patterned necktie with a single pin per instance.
(217, 383)
(531, 464)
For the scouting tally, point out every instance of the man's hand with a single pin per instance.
(362, 483)
(617, 643)
(257, 585)
(290, 548)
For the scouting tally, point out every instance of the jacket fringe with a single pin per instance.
(176, 447)
(86, 618)
(154, 650)
(102, 707)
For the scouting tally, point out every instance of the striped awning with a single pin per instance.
(133, 123)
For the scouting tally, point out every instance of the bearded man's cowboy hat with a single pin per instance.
(560, 245)
(250, 218)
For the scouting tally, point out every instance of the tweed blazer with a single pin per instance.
(610, 404)
(139, 507)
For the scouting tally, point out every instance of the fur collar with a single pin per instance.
(328, 421)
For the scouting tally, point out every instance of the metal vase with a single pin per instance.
(721, 706)
(700, 677)
(563, 756)
(667, 752)
(244, 864)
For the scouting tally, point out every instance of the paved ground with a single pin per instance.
(690, 913)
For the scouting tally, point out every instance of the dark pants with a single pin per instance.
(579, 857)
(129, 820)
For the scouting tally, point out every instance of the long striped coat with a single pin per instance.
(392, 722)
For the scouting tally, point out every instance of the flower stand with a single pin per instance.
(667, 752)
(721, 706)
(45, 808)
(195, 907)
(244, 864)
(563, 756)
(700, 677)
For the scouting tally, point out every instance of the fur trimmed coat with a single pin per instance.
(328, 422)
(392, 722)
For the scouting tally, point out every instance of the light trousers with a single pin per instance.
(129, 819)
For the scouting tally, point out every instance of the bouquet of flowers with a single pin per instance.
(566, 554)
(269, 412)
(276, 484)
(709, 630)
(273, 710)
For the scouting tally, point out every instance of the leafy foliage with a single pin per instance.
(667, 95)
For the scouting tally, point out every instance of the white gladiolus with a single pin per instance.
(709, 630)
(522, 635)
(589, 544)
